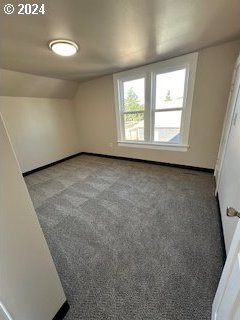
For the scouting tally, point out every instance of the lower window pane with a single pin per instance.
(134, 126)
(167, 126)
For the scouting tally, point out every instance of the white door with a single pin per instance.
(227, 121)
(229, 183)
(226, 305)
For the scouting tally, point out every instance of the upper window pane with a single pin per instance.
(170, 89)
(133, 92)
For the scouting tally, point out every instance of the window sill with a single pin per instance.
(157, 146)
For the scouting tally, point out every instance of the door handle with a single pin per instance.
(231, 212)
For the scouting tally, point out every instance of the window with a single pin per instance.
(153, 104)
(133, 111)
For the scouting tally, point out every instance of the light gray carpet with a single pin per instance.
(131, 240)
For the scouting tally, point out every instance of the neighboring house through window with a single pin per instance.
(153, 104)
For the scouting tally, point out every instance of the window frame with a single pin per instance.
(149, 73)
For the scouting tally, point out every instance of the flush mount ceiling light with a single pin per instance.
(64, 48)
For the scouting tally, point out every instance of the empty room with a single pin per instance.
(119, 160)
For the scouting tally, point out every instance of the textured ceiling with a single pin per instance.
(113, 34)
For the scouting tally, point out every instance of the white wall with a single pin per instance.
(29, 285)
(95, 111)
(42, 130)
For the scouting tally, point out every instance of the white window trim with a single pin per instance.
(147, 145)
(189, 62)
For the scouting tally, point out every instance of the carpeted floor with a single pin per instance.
(131, 241)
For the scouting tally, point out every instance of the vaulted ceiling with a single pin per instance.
(113, 34)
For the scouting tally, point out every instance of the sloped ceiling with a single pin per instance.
(113, 34)
(19, 84)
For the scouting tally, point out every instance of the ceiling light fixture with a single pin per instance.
(64, 48)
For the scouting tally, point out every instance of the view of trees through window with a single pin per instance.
(133, 103)
(153, 103)
(134, 109)
(168, 105)
(168, 96)
(167, 111)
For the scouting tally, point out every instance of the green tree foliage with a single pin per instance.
(168, 96)
(132, 103)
